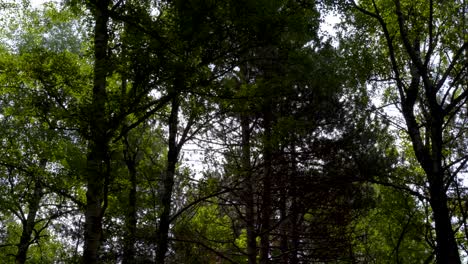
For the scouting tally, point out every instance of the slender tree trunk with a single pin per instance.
(428, 152)
(285, 220)
(266, 195)
(131, 217)
(447, 248)
(98, 159)
(294, 211)
(29, 223)
(168, 182)
(294, 247)
(95, 197)
(249, 191)
(430, 157)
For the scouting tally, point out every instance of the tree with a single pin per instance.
(285, 140)
(37, 148)
(393, 231)
(422, 54)
(105, 124)
(98, 100)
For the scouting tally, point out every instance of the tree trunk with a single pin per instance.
(266, 195)
(430, 157)
(294, 247)
(131, 217)
(447, 248)
(428, 152)
(249, 191)
(168, 182)
(284, 219)
(98, 159)
(295, 214)
(29, 223)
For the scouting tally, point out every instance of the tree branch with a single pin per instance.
(158, 104)
(199, 200)
(390, 46)
(219, 254)
(398, 187)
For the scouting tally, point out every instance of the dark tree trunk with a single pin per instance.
(266, 195)
(131, 216)
(294, 247)
(29, 223)
(249, 191)
(424, 88)
(284, 219)
(294, 214)
(167, 183)
(98, 157)
(430, 157)
(447, 248)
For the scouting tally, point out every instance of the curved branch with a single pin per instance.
(199, 200)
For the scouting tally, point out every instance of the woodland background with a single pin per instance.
(233, 131)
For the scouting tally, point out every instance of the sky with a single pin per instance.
(37, 3)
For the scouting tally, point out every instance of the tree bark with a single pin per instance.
(168, 182)
(430, 157)
(295, 210)
(29, 223)
(98, 151)
(428, 152)
(447, 248)
(266, 195)
(131, 216)
(249, 191)
(284, 219)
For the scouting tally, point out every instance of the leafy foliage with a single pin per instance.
(230, 131)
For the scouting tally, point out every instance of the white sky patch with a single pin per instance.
(328, 27)
(37, 3)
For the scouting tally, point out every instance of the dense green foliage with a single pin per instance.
(200, 131)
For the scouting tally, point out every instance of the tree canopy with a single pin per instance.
(203, 131)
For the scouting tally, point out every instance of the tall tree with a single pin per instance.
(290, 99)
(113, 101)
(96, 107)
(34, 101)
(425, 45)
(98, 163)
